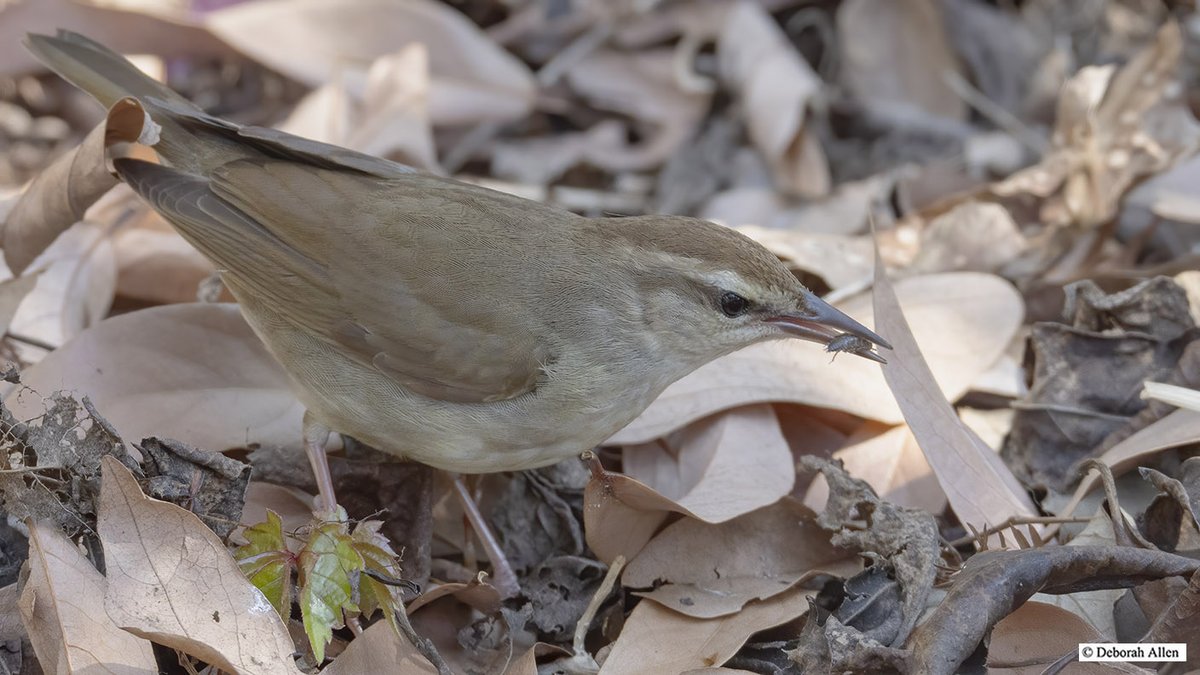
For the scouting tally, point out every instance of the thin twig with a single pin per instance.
(995, 113)
(423, 645)
(1016, 520)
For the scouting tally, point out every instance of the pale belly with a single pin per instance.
(523, 433)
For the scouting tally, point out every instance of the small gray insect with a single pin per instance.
(853, 344)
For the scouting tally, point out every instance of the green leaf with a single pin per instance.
(268, 564)
(378, 556)
(329, 566)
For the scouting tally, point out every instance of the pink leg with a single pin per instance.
(504, 578)
(316, 437)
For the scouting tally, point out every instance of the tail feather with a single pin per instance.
(96, 69)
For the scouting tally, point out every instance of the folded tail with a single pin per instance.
(96, 69)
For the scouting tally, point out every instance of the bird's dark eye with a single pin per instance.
(733, 304)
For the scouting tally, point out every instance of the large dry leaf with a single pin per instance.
(380, 649)
(58, 197)
(76, 280)
(657, 640)
(973, 236)
(894, 57)
(12, 293)
(1035, 636)
(158, 266)
(171, 580)
(963, 321)
(195, 373)
(315, 42)
(62, 606)
(775, 86)
(891, 462)
(621, 514)
(980, 488)
(708, 571)
(718, 468)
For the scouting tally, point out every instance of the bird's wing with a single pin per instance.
(387, 273)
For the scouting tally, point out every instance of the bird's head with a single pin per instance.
(708, 290)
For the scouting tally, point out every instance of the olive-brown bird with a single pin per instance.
(464, 328)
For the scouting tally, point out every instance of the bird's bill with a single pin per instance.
(821, 322)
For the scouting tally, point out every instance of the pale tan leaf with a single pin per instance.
(891, 462)
(842, 212)
(991, 426)
(706, 571)
(1190, 280)
(12, 294)
(620, 515)
(62, 606)
(158, 266)
(721, 467)
(775, 86)
(525, 664)
(963, 320)
(173, 371)
(894, 55)
(476, 593)
(316, 42)
(380, 649)
(657, 640)
(76, 281)
(973, 236)
(1034, 636)
(58, 197)
(171, 580)
(981, 489)
(840, 260)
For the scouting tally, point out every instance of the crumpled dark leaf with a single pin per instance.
(207, 483)
(1087, 376)
(50, 466)
(905, 539)
(828, 646)
(559, 591)
(540, 514)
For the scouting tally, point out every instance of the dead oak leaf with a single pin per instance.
(1107, 137)
(171, 580)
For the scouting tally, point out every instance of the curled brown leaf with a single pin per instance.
(58, 198)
